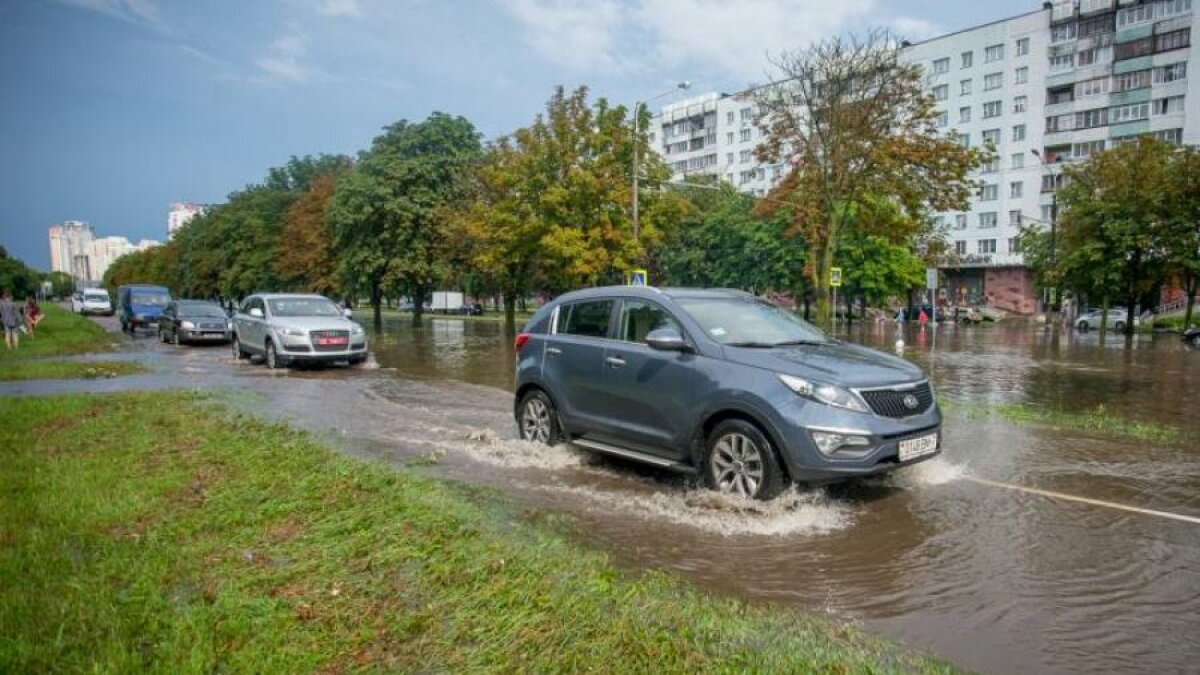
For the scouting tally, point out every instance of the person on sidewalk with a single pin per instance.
(11, 319)
(33, 315)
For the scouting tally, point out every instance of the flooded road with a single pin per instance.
(991, 578)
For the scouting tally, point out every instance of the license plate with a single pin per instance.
(331, 341)
(918, 447)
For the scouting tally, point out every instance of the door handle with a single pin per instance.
(615, 362)
(553, 351)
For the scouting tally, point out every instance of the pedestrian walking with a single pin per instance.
(10, 317)
(33, 315)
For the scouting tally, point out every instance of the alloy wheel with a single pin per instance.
(272, 358)
(737, 465)
(535, 421)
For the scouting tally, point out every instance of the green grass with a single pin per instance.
(155, 532)
(1099, 420)
(25, 369)
(61, 333)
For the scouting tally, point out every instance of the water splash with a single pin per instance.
(937, 471)
(486, 445)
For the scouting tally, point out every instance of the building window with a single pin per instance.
(1095, 25)
(1085, 150)
(1125, 113)
(1170, 73)
(1014, 243)
(964, 87)
(1176, 39)
(993, 53)
(1063, 32)
(968, 59)
(729, 137)
(1022, 46)
(964, 140)
(1018, 133)
(992, 136)
(943, 119)
(1130, 81)
(960, 221)
(745, 135)
(993, 81)
(1047, 213)
(1016, 189)
(1014, 217)
(744, 157)
(1061, 95)
(986, 246)
(1019, 104)
(1022, 75)
(1096, 118)
(987, 220)
(1133, 49)
(1018, 158)
(960, 247)
(747, 114)
(1093, 56)
(941, 66)
(1094, 87)
(941, 92)
(992, 109)
(989, 193)
(729, 177)
(1060, 62)
(964, 115)
(1173, 136)
(990, 166)
(1168, 106)
(729, 117)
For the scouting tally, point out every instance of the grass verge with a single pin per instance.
(26, 369)
(1096, 420)
(61, 333)
(156, 532)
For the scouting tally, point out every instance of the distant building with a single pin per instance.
(75, 249)
(180, 213)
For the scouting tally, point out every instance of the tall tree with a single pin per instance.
(1116, 211)
(1183, 225)
(307, 259)
(389, 216)
(157, 265)
(62, 283)
(852, 123)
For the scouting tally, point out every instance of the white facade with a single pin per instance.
(179, 214)
(69, 244)
(1066, 80)
(104, 251)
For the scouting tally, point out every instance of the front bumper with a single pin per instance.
(295, 353)
(798, 418)
(204, 336)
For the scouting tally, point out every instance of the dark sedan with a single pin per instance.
(193, 321)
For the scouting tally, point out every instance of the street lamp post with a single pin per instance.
(1053, 228)
(637, 109)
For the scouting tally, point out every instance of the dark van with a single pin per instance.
(140, 306)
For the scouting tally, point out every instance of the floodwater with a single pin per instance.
(992, 579)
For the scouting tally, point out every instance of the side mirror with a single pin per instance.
(347, 313)
(256, 312)
(667, 340)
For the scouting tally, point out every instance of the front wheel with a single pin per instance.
(1119, 326)
(1083, 326)
(741, 462)
(272, 358)
(238, 352)
(1196, 340)
(537, 421)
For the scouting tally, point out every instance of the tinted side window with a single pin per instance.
(586, 318)
(639, 317)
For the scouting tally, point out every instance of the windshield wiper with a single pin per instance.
(751, 345)
(794, 343)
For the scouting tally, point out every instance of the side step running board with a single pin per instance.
(634, 455)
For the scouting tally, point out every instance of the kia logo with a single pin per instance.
(911, 402)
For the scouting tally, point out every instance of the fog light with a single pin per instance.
(829, 442)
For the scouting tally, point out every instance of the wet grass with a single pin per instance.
(145, 532)
(1098, 420)
(61, 333)
(43, 370)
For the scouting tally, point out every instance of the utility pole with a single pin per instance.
(637, 114)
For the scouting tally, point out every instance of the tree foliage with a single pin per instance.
(157, 265)
(16, 277)
(63, 284)
(307, 260)
(854, 127)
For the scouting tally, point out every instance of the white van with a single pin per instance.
(95, 301)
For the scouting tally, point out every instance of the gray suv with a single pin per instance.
(290, 328)
(718, 382)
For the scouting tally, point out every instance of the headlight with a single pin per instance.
(824, 393)
(292, 332)
(356, 329)
(187, 325)
(829, 442)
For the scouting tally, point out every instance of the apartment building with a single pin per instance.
(1043, 89)
(180, 213)
(69, 246)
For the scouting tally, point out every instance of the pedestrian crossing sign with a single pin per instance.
(638, 278)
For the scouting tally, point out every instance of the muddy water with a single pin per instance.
(992, 579)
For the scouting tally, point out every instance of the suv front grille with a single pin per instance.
(895, 403)
(342, 335)
(211, 326)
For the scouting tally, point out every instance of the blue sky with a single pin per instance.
(112, 109)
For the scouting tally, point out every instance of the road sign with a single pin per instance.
(639, 278)
(931, 279)
(835, 276)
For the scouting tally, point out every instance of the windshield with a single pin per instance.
(201, 310)
(156, 299)
(750, 323)
(96, 297)
(303, 307)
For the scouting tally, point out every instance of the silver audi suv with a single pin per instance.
(719, 383)
(288, 328)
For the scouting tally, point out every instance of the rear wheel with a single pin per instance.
(1083, 326)
(537, 420)
(1196, 340)
(175, 338)
(742, 462)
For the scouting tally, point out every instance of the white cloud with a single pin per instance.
(579, 34)
(347, 8)
(910, 28)
(143, 12)
(283, 60)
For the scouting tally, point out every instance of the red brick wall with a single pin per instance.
(1010, 289)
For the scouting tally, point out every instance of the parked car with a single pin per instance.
(1116, 320)
(141, 305)
(287, 329)
(93, 300)
(471, 309)
(1192, 337)
(719, 383)
(193, 321)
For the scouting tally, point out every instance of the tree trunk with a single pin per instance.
(1130, 316)
(820, 282)
(376, 297)
(1191, 287)
(807, 306)
(849, 310)
(1103, 317)
(418, 301)
(510, 311)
